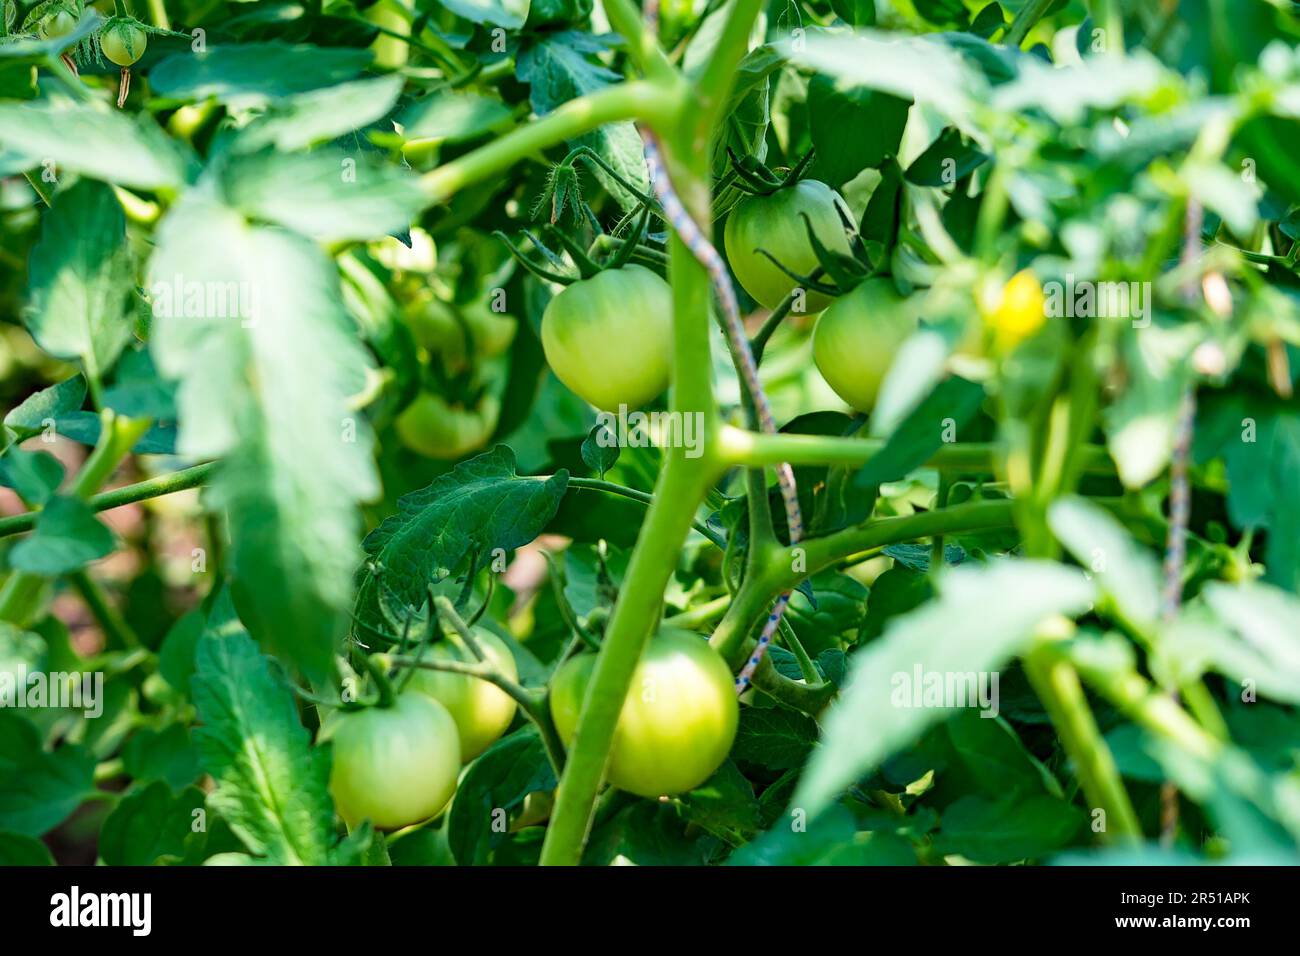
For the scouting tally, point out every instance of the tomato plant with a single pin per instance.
(739, 433)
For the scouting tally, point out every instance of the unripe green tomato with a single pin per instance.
(678, 721)
(609, 338)
(482, 711)
(856, 339)
(58, 24)
(435, 326)
(123, 43)
(774, 223)
(437, 429)
(394, 766)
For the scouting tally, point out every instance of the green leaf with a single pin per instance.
(68, 536)
(982, 616)
(453, 116)
(318, 116)
(266, 389)
(599, 452)
(39, 789)
(481, 505)
(557, 70)
(19, 850)
(724, 805)
(495, 784)
(645, 833)
(510, 14)
(39, 409)
(168, 755)
(918, 368)
(81, 281)
(254, 74)
(152, 825)
(1009, 829)
(947, 160)
(99, 142)
(831, 839)
(1266, 622)
(774, 737)
(1125, 573)
(1140, 424)
(326, 194)
(912, 68)
(938, 417)
(852, 128)
(34, 475)
(271, 784)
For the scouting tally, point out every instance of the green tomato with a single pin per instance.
(435, 326)
(856, 338)
(437, 429)
(58, 24)
(482, 711)
(677, 723)
(395, 766)
(123, 43)
(609, 338)
(774, 223)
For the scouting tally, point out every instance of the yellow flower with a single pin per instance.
(1021, 310)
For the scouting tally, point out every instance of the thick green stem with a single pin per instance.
(1057, 685)
(626, 101)
(128, 494)
(636, 614)
(682, 483)
(786, 567)
(740, 447)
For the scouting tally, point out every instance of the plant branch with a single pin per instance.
(626, 101)
(128, 494)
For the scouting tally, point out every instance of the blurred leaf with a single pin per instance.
(67, 537)
(253, 74)
(39, 789)
(982, 616)
(34, 475)
(265, 381)
(31, 417)
(1125, 573)
(318, 116)
(326, 194)
(168, 755)
(152, 825)
(99, 142)
(19, 850)
(454, 116)
(81, 282)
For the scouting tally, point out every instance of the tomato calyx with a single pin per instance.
(755, 178)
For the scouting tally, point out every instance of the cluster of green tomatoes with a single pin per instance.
(609, 337)
(398, 765)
